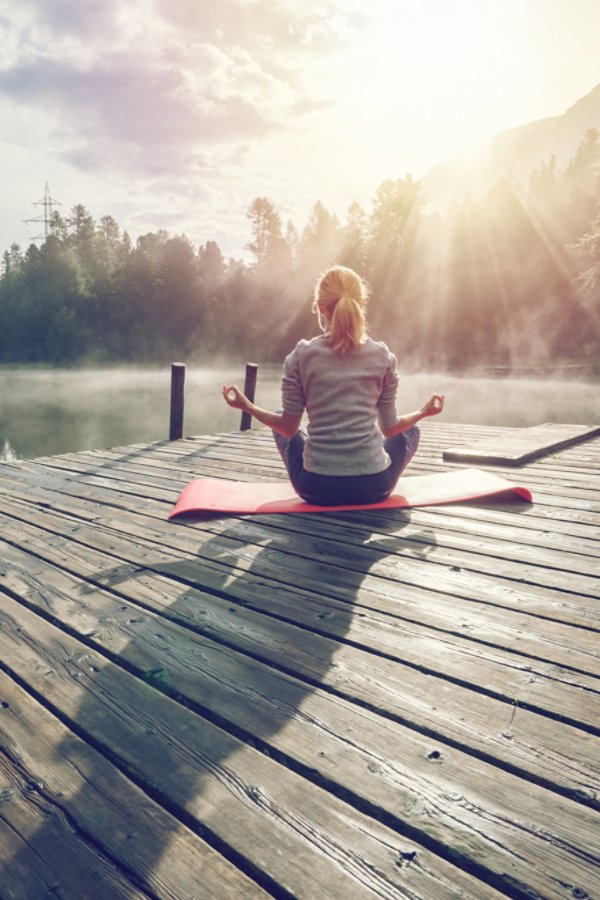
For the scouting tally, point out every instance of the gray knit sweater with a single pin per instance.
(345, 396)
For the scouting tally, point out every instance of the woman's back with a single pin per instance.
(344, 395)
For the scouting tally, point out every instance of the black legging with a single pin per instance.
(337, 490)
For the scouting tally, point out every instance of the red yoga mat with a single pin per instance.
(219, 495)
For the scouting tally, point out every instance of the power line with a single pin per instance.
(48, 205)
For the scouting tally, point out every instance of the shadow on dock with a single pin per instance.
(225, 665)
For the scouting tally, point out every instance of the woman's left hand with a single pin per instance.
(434, 405)
(235, 398)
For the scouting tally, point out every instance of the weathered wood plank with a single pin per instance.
(464, 519)
(292, 832)
(249, 455)
(313, 729)
(522, 445)
(543, 485)
(43, 853)
(541, 686)
(148, 466)
(579, 506)
(380, 653)
(366, 675)
(437, 543)
(552, 639)
(264, 462)
(429, 453)
(522, 587)
(549, 752)
(98, 801)
(264, 454)
(578, 509)
(441, 536)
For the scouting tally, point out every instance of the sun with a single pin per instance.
(450, 65)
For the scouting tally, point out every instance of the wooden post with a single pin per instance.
(249, 390)
(177, 385)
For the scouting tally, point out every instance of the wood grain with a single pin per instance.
(345, 705)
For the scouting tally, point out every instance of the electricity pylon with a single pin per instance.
(48, 203)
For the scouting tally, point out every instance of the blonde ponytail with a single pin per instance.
(341, 296)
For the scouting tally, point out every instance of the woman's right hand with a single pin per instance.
(235, 398)
(433, 406)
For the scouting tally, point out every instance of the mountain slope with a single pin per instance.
(515, 152)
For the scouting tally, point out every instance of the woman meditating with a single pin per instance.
(356, 446)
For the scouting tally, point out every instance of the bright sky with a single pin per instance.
(178, 113)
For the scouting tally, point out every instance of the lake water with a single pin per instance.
(44, 412)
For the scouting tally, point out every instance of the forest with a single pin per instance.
(512, 279)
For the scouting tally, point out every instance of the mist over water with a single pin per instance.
(508, 402)
(46, 412)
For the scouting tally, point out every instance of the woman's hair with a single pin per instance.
(341, 296)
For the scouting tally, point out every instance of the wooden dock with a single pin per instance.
(347, 705)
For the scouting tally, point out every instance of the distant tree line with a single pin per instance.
(510, 278)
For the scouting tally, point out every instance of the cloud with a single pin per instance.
(141, 101)
(267, 27)
(142, 112)
(167, 110)
(91, 19)
(195, 75)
